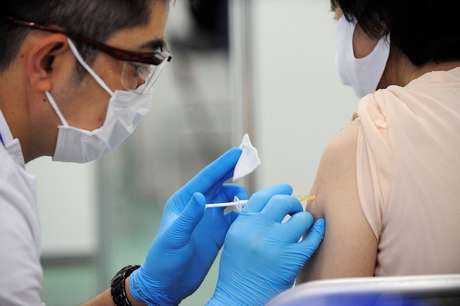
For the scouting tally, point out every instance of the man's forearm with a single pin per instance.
(105, 298)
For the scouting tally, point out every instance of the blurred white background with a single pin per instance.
(300, 103)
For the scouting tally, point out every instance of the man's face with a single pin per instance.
(84, 103)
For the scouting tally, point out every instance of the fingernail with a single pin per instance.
(236, 149)
(199, 197)
(289, 188)
(321, 222)
(321, 226)
(309, 216)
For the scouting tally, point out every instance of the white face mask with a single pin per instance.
(362, 74)
(124, 113)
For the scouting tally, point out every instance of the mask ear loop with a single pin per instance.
(56, 109)
(82, 62)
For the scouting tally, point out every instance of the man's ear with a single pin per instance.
(43, 56)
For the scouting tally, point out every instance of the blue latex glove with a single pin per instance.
(189, 237)
(262, 256)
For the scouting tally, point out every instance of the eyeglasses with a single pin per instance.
(151, 58)
(142, 65)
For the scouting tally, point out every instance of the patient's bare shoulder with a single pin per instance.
(337, 167)
(350, 247)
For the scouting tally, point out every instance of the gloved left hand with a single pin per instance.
(262, 254)
(189, 237)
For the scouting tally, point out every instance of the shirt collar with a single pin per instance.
(12, 146)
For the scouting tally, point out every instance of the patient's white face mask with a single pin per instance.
(362, 74)
(124, 114)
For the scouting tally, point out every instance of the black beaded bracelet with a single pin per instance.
(118, 287)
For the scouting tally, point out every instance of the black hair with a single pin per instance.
(425, 30)
(96, 19)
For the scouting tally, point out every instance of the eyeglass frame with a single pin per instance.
(154, 58)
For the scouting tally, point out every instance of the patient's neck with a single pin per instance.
(400, 71)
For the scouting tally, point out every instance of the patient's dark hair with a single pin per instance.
(425, 30)
(96, 19)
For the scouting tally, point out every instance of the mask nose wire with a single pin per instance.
(82, 62)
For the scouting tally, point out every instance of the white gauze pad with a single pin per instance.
(249, 160)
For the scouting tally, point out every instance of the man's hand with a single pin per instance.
(262, 255)
(189, 237)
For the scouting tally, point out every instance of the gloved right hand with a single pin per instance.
(262, 256)
(189, 237)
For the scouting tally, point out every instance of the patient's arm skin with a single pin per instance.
(350, 247)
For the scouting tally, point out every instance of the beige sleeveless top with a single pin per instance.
(408, 165)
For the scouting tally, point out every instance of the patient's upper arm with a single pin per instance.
(350, 247)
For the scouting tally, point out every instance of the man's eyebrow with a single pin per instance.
(155, 44)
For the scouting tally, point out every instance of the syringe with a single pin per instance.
(241, 203)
